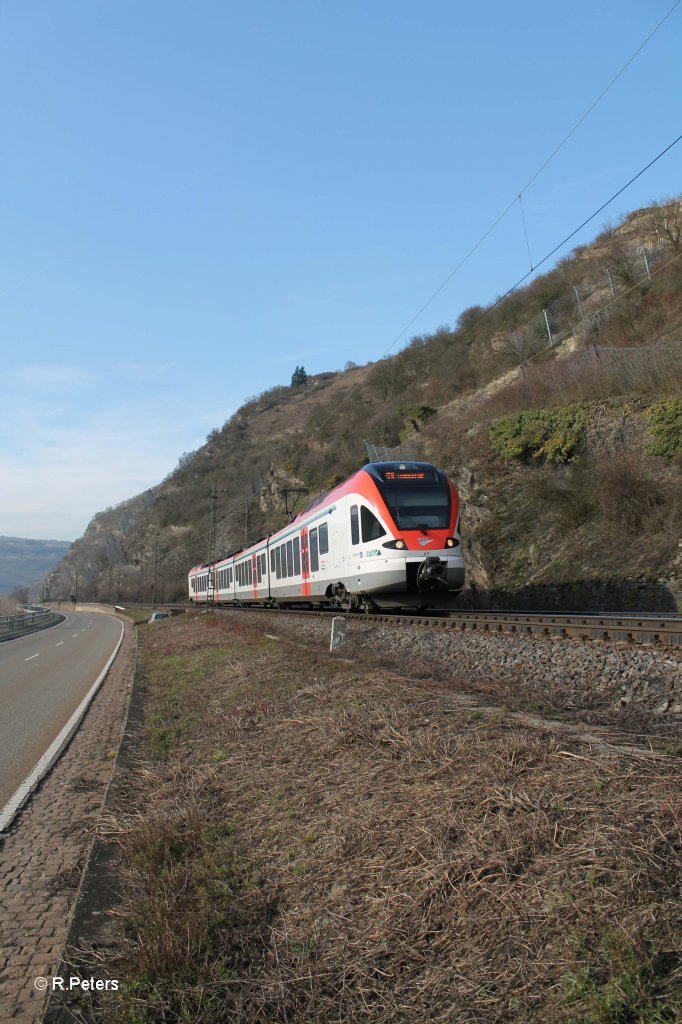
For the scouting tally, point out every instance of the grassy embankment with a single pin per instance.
(315, 840)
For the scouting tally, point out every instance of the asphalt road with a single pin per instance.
(43, 678)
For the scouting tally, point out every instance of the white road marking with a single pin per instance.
(74, 636)
(32, 657)
(59, 644)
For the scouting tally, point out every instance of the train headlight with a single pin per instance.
(451, 542)
(399, 544)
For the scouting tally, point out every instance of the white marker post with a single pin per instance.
(338, 633)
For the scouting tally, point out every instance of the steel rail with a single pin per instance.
(643, 628)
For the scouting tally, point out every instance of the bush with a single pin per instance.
(666, 427)
(549, 435)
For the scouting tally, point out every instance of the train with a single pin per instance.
(387, 537)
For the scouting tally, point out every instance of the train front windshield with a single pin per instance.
(417, 505)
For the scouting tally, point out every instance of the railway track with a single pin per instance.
(642, 629)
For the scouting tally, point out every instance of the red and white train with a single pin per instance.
(387, 537)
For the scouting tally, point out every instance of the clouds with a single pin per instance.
(52, 378)
(76, 441)
(65, 474)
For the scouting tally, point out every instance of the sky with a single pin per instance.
(196, 197)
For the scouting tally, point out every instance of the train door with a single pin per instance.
(254, 566)
(336, 549)
(305, 563)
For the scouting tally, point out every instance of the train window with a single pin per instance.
(297, 557)
(249, 572)
(323, 536)
(418, 506)
(290, 558)
(278, 563)
(304, 555)
(354, 525)
(314, 560)
(272, 559)
(259, 569)
(265, 565)
(371, 527)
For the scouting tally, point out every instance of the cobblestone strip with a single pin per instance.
(45, 851)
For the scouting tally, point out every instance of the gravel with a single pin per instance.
(610, 681)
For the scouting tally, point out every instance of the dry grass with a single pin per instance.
(8, 606)
(316, 841)
(589, 375)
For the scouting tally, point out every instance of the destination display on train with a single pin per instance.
(399, 474)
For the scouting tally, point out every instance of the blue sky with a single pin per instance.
(197, 197)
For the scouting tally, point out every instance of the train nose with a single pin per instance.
(432, 573)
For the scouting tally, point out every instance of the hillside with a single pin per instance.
(556, 411)
(23, 563)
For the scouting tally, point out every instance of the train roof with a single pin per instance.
(376, 470)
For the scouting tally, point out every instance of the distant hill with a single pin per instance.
(23, 563)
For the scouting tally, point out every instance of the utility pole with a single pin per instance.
(549, 333)
(646, 264)
(580, 305)
(297, 491)
(156, 558)
(210, 561)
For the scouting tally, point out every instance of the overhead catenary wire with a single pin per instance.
(532, 179)
(491, 228)
(503, 214)
(485, 313)
(518, 283)
(446, 413)
(525, 231)
(573, 233)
